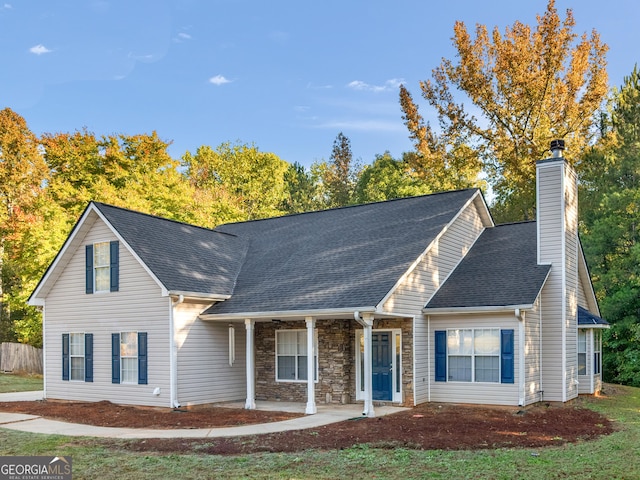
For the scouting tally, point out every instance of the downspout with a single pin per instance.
(520, 315)
(429, 357)
(173, 354)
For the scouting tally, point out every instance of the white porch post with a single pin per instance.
(311, 368)
(250, 404)
(367, 323)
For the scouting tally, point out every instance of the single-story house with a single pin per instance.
(413, 300)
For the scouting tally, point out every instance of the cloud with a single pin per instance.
(7, 6)
(219, 80)
(391, 84)
(182, 37)
(39, 49)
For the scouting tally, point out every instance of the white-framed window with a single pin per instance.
(101, 266)
(129, 357)
(582, 352)
(76, 357)
(291, 355)
(473, 355)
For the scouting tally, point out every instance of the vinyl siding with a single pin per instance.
(557, 244)
(137, 306)
(204, 373)
(429, 274)
(532, 355)
(475, 392)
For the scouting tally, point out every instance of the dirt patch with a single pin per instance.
(107, 414)
(428, 426)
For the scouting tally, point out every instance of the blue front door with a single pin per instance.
(382, 376)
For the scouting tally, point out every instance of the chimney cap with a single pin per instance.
(557, 146)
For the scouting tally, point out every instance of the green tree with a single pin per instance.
(301, 190)
(610, 191)
(244, 182)
(387, 178)
(529, 86)
(340, 175)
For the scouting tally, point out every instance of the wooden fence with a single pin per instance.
(16, 357)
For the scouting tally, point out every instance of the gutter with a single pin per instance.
(173, 354)
(198, 295)
(291, 314)
(478, 309)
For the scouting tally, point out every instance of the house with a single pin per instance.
(406, 301)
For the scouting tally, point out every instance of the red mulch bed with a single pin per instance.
(428, 426)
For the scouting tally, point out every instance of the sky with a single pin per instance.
(286, 76)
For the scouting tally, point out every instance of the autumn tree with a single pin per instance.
(242, 182)
(528, 86)
(22, 176)
(610, 214)
(439, 163)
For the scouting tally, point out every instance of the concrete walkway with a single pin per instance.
(326, 415)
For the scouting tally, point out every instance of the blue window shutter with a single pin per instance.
(114, 268)
(89, 268)
(142, 358)
(65, 356)
(115, 358)
(88, 357)
(506, 356)
(441, 356)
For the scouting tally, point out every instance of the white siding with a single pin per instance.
(557, 244)
(472, 392)
(532, 355)
(204, 373)
(137, 306)
(419, 286)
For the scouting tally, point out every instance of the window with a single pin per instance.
(291, 355)
(77, 357)
(102, 267)
(76, 350)
(129, 357)
(582, 352)
(474, 355)
(597, 346)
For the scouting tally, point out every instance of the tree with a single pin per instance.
(340, 175)
(387, 178)
(301, 190)
(22, 176)
(529, 86)
(440, 166)
(611, 229)
(244, 182)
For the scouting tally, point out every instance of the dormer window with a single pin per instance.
(102, 270)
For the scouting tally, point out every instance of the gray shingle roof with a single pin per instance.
(500, 270)
(585, 317)
(183, 257)
(341, 258)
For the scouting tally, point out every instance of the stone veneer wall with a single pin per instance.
(336, 361)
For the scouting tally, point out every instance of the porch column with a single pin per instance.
(311, 368)
(250, 404)
(367, 323)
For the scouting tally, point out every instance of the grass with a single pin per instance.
(616, 456)
(20, 383)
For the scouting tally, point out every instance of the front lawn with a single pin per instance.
(20, 383)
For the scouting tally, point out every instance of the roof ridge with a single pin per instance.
(157, 217)
(358, 205)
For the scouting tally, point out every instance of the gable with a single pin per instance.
(500, 270)
(345, 258)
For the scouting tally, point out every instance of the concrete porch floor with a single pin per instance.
(350, 410)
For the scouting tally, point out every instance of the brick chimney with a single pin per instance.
(557, 230)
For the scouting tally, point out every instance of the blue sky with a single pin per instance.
(285, 75)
